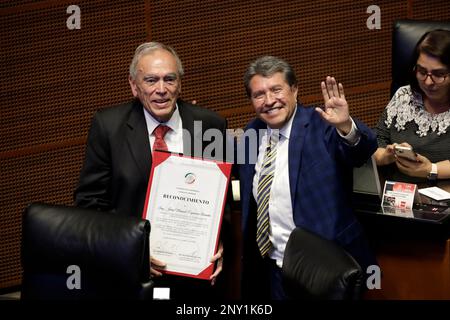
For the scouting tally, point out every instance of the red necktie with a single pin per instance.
(159, 133)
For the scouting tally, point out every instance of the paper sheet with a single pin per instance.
(435, 193)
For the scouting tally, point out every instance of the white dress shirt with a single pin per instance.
(174, 137)
(280, 203)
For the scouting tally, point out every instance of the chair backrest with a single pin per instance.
(405, 35)
(317, 268)
(111, 252)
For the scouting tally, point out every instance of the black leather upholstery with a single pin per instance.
(111, 251)
(405, 35)
(317, 268)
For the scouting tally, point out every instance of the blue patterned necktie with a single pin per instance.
(263, 195)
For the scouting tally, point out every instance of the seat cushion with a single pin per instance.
(316, 268)
(111, 251)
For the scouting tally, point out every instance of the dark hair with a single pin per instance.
(267, 66)
(435, 43)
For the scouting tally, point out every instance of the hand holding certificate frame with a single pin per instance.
(184, 203)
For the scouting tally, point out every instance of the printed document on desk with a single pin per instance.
(399, 194)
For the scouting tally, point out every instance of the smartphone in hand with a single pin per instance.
(405, 152)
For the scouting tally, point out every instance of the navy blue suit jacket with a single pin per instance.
(320, 178)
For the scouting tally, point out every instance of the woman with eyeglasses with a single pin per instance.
(418, 115)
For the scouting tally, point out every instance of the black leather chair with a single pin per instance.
(405, 35)
(111, 251)
(315, 268)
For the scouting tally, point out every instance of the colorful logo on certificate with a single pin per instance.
(189, 178)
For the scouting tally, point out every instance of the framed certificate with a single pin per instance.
(184, 203)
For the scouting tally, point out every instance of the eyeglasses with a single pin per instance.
(437, 76)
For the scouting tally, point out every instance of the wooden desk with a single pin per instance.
(418, 270)
(413, 254)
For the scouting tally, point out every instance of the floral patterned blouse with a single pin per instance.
(405, 120)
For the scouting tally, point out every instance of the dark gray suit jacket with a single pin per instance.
(118, 159)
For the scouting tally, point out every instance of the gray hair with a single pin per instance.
(267, 66)
(149, 47)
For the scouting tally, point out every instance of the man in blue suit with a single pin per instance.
(302, 176)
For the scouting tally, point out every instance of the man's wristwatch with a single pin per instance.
(433, 175)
